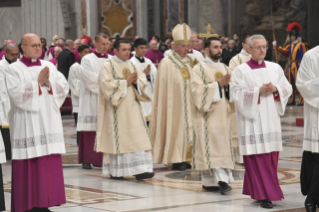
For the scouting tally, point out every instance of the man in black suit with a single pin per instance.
(66, 58)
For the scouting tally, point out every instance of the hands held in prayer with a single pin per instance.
(43, 78)
(147, 70)
(267, 88)
(224, 80)
(132, 78)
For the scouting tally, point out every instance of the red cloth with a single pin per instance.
(54, 61)
(261, 180)
(86, 149)
(154, 56)
(37, 182)
(76, 54)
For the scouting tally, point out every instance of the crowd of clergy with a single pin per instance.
(135, 104)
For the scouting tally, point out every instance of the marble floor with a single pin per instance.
(168, 191)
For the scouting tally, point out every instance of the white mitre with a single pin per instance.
(181, 34)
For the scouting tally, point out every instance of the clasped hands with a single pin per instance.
(224, 80)
(132, 79)
(267, 89)
(43, 78)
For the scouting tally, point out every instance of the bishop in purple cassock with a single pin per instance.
(153, 54)
(260, 91)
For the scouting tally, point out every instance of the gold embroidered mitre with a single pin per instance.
(181, 34)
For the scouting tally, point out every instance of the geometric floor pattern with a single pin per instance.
(168, 191)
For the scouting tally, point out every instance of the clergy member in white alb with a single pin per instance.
(169, 51)
(308, 85)
(37, 90)
(191, 48)
(173, 122)
(243, 57)
(11, 55)
(210, 90)
(122, 134)
(88, 111)
(149, 69)
(4, 110)
(260, 91)
(75, 84)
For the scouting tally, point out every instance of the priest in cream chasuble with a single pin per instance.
(210, 91)
(260, 92)
(122, 134)
(172, 125)
(243, 57)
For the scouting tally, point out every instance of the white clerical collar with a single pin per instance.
(118, 59)
(245, 53)
(296, 41)
(209, 61)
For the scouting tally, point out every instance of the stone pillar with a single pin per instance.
(141, 18)
(193, 14)
(236, 12)
(92, 17)
(313, 28)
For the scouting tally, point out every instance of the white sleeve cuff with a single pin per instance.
(125, 90)
(216, 97)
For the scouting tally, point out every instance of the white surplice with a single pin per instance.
(4, 110)
(259, 126)
(147, 106)
(89, 92)
(197, 55)
(167, 52)
(3, 68)
(308, 85)
(75, 84)
(35, 120)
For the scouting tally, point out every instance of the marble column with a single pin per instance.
(156, 18)
(92, 17)
(141, 18)
(313, 28)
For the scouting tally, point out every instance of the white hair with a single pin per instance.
(58, 48)
(231, 41)
(255, 37)
(54, 37)
(193, 32)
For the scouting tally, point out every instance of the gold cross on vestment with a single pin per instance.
(208, 35)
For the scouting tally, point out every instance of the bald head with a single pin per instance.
(153, 45)
(69, 44)
(55, 39)
(31, 46)
(77, 43)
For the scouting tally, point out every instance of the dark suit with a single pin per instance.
(65, 60)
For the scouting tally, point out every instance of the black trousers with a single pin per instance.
(76, 124)
(2, 202)
(7, 142)
(309, 176)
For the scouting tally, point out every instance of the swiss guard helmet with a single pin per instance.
(294, 29)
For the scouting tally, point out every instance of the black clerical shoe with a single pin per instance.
(266, 204)
(223, 187)
(211, 188)
(310, 205)
(179, 166)
(116, 178)
(86, 166)
(44, 210)
(188, 165)
(144, 176)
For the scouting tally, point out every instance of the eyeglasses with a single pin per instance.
(34, 46)
(13, 55)
(261, 48)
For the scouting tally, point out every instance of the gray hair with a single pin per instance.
(55, 36)
(11, 46)
(254, 37)
(58, 48)
(68, 42)
(231, 41)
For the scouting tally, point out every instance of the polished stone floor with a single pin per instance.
(168, 191)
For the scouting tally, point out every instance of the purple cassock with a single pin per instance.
(42, 55)
(2, 53)
(76, 54)
(86, 149)
(37, 182)
(54, 61)
(154, 56)
(111, 53)
(261, 180)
